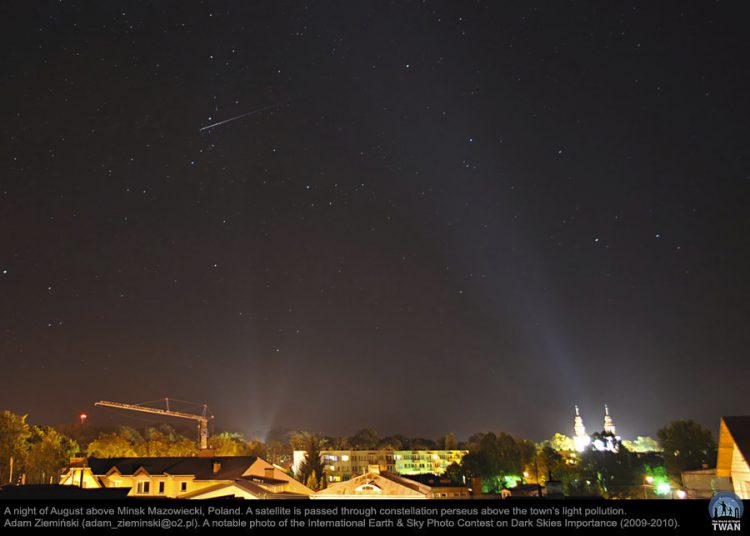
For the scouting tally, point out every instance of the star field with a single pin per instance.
(416, 216)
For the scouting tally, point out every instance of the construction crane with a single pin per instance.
(202, 419)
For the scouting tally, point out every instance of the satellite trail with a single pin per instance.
(241, 116)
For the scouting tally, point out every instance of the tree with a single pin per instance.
(390, 443)
(642, 444)
(312, 481)
(131, 434)
(312, 464)
(475, 439)
(298, 440)
(256, 447)
(340, 443)
(163, 440)
(229, 444)
(421, 443)
(365, 439)
(111, 445)
(612, 470)
(455, 473)
(449, 441)
(561, 442)
(496, 459)
(687, 445)
(14, 436)
(50, 451)
(549, 462)
(510, 455)
(275, 452)
(528, 453)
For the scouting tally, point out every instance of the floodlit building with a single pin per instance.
(609, 424)
(419, 462)
(702, 483)
(341, 465)
(733, 455)
(580, 439)
(185, 477)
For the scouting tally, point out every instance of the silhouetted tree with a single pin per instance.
(312, 464)
(390, 443)
(365, 439)
(527, 452)
(611, 470)
(455, 473)
(449, 441)
(687, 445)
(276, 452)
(422, 443)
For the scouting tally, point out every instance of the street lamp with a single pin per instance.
(648, 482)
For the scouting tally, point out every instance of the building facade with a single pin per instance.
(377, 484)
(341, 465)
(734, 451)
(582, 440)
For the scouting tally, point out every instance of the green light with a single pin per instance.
(662, 488)
(511, 481)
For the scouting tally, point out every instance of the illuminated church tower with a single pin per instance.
(580, 439)
(609, 425)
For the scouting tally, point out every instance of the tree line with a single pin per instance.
(31, 454)
(500, 460)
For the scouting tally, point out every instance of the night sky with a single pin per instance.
(435, 216)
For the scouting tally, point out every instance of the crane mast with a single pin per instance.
(202, 420)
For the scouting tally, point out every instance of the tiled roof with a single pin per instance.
(55, 491)
(229, 467)
(388, 483)
(253, 488)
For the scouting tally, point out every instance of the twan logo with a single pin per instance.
(726, 511)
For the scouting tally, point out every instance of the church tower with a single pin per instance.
(580, 439)
(609, 425)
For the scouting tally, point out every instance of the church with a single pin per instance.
(582, 440)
